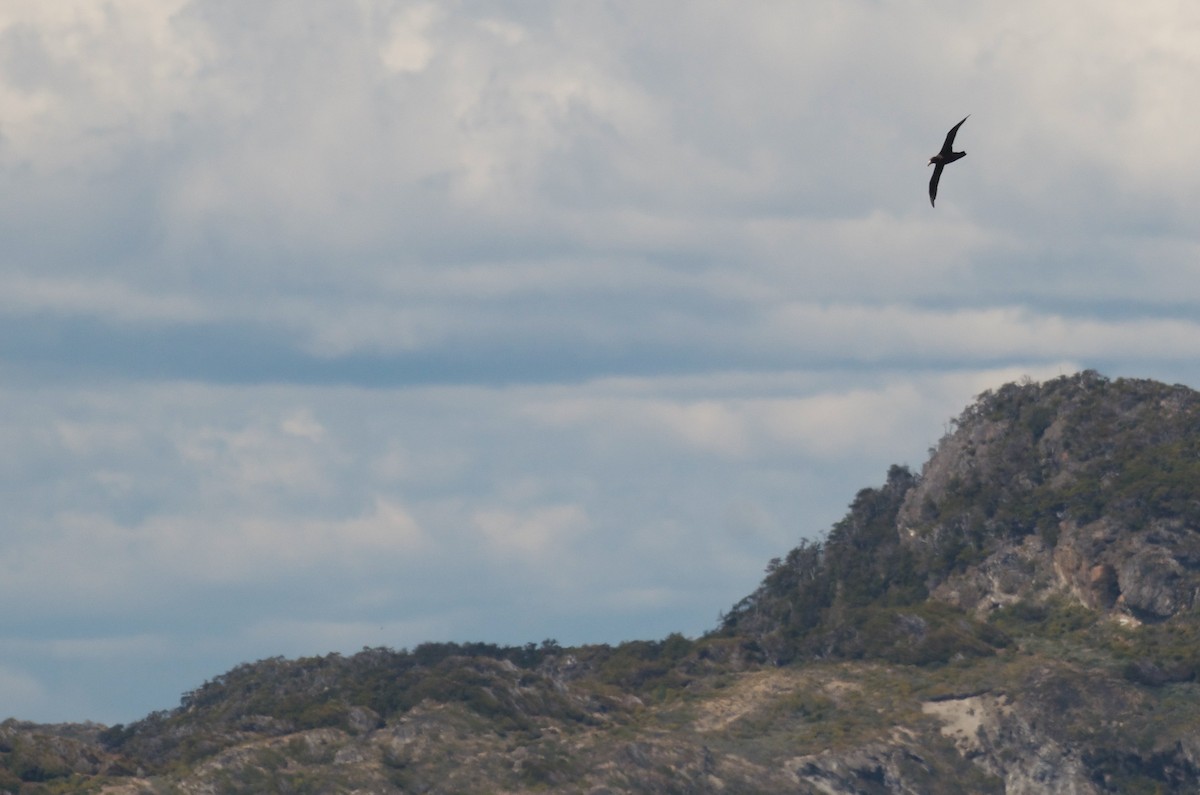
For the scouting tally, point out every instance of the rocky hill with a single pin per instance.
(1020, 617)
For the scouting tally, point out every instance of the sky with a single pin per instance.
(338, 323)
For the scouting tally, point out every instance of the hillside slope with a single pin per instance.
(1020, 617)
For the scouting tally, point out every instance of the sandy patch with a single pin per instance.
(963, 718)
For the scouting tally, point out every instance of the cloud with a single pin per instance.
(78, 80)
(508, 321)
(826, 423)
(438, 180)
(408, 47)
(111, 564)
(899, 332)
(531, 535)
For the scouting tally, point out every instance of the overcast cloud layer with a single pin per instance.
(327, 324)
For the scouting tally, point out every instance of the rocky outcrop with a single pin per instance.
(1078, 487)
(899, 767)
(1134, 576)
(992, 733)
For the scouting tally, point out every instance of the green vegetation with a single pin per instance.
(278, 696)
(641, 666)
(54, 759)
(1082, 447)
(861, 593)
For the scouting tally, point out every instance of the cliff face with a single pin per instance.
(1079, 487)
(1019, 618)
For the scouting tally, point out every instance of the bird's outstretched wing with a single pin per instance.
(937, 174)
(949, 145)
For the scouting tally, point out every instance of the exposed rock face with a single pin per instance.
(991, 732)
(1144, 576)
(1077, 487)
(1018, 570)
(875, 768)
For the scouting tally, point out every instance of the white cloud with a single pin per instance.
(249, 548)
(894, 332)
(703, 425)
(79, 78)
(531, 535)
(302, 424)
(409, 47)
(894, 413)
(348, 183)
(695, 249)
(290, 453)
(110, 566)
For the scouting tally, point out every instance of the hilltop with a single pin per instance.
(1020, 616)
(1076, 491)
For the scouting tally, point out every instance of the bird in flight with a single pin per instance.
(943, 157)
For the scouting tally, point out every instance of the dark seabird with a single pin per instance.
(943, 157)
